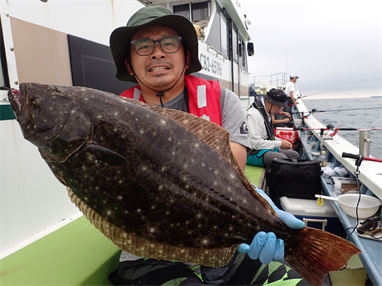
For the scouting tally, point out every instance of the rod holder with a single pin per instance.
(364, 143)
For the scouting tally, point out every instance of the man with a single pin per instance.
(290, 88)
(159, 50)
(265, 146)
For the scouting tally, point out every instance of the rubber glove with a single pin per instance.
(265, 246)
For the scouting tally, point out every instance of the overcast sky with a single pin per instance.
(331, 45)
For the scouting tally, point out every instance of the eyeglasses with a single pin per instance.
(145, 47)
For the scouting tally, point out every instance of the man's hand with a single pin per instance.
(286, 144)
(265, 246)
(285, 120)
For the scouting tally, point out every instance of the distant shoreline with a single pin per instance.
(339, 96)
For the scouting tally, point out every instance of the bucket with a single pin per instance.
(354, 274)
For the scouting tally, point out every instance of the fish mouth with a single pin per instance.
(16, 100)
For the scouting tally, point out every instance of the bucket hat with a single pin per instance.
(276, 97)
(149, 16)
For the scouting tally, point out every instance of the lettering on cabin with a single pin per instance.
(211, 65)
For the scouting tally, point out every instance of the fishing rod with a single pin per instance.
(303, 96)
(331, 127)
(336, 110)
(359, 158)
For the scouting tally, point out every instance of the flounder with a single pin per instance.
(160, 183)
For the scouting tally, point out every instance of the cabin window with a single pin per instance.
(182, 10)
(198, 11)
(4, 82)
(224, 34)
(242, 53)
(234, 44)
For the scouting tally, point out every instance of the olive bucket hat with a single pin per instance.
(149, 16)
(276, 97)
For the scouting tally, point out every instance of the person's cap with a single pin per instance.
(293, 75)
(276, 97)
(149, 16)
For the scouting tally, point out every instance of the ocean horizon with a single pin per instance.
(359, 113)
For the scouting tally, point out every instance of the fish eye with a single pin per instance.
(36, 104)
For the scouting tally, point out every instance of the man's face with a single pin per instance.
(294, 79)
(275, 109)
(158, 70)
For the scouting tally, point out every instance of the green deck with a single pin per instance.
(76, 254)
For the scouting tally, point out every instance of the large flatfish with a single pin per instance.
(160, 183)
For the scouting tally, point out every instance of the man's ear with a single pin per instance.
(127, 63)
(188, 55)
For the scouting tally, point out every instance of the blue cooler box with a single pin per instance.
(322, 217)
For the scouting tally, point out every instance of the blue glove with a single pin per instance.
(265, 246)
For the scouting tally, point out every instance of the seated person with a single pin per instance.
(265, 146)
(282, 119)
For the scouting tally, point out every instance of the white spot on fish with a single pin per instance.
(163, 122)
(99, 116)
(120, 198)
(199, 215)
(139, 210)
(205, 241)
(232, 176)
(116, 113)
(160, 187)
(108, 212)
(141, 131)
(152, 230)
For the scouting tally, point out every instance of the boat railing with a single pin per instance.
(277, 80)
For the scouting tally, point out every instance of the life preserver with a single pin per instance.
(207, 107)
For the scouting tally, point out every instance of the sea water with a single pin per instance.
(366, 115)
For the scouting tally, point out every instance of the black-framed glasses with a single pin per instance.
(145, 47)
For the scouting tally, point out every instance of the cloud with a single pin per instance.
(329, 44)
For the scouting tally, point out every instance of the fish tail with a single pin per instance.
(315, 253)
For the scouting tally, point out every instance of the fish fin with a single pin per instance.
(217, 257)
(326, 252)
(106, 155)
